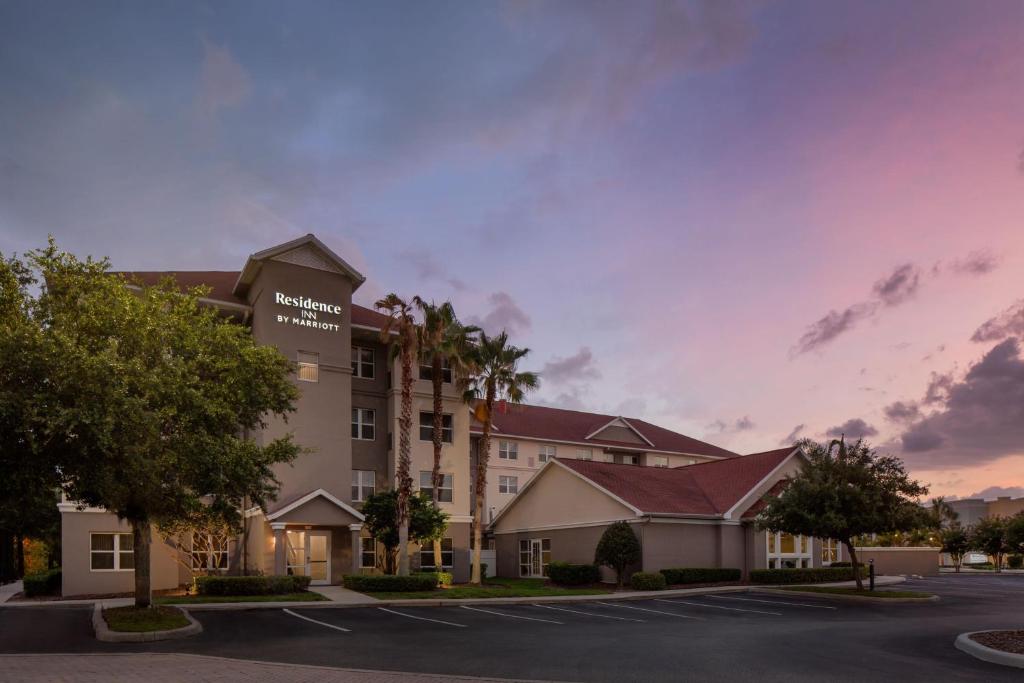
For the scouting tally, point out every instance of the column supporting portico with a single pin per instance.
(280, 568)
(355, 530)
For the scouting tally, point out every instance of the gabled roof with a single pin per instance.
(285, 507)
(254, 263)
(573, 426)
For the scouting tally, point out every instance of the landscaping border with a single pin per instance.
(105, 634)
(966, 644)
(850, 598)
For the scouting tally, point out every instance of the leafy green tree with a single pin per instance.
(1015, 534)
(844, 491)
(148, 400)
(989, 535)
(495, 375)
(618, 548)
(442, 339)
(401, 322)
(426, 523)
(956, 541)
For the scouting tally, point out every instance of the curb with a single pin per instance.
(854, 598)
(964, 643)
(103, 632)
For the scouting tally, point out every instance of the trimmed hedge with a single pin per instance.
(565, 574)
(441, 578)
(1015, 561)
(841, 564)
(816, 575)
(680, 575)
(645, 581)
(390, 582)
(251, 585)
(43, 583)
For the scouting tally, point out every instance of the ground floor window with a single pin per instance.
(427, 554)
(209, 552)
(831, 551)
(367, 553)
(111, 552)
(786, 551)
(534, 556)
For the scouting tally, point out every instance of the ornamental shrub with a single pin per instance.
(565, 574)
(42, 583)
(646, 581)
(1015, 561)
(390, 582)
(251, 585)
(618, 548)
(442, 578)
(815, 575)
(683, 575)
(841, 564)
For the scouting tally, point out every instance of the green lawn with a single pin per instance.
(137, 620)
(493, 588)
(835, 590)
(308, 596)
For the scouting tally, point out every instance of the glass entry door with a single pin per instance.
(309, 554)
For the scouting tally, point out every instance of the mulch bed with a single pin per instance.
(1007, 641)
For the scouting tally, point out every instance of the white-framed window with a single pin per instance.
(444, 493)
(363, 365)
(427, 371)
(658, 460)
(209, 552)
(508, 450)
(363, 423)
(534, 556)
(447, 554)
(427, 427)
(831, 551)
(308, 366)
(631, 460)
(367, 552)
(546, 452)
(364, 484)
(508, 484)
(786, 551)
(584, 454)
(111, 552)
(607, 457)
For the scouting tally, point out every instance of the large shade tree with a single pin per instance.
(148, 401)
(989, 535)
(844, 491)
(496, 376)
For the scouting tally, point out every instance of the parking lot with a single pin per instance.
(731, 636)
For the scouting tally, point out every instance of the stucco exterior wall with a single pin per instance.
(893, 561)
(576, 546)
(694, 544)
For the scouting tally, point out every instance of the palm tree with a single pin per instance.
(494, 376)
(442, 338)
(401, 321)
(942, 513)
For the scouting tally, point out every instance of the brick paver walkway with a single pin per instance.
(168, 668)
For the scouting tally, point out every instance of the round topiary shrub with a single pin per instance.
(644, 581)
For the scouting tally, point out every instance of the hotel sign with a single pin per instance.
(308, 312)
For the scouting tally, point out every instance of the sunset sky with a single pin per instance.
(750, 222)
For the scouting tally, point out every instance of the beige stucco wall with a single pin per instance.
(1005, 506)
(891, 561)
(576, 546)
(693, 544)
(318, 512)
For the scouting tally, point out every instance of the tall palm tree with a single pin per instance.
(401, 322)
(942, 513)
(495, 376)
(442, 338)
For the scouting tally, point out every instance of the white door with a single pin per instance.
(318, 557)
(535, 565)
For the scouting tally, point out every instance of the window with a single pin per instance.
(786, 551)
(444, 494)
(830, 551)
(584, 454)
(427, 371)
(631, 460)
(508, 450)
(362, 424)
(362, 362)
(547, 453)
(508, 484)
(367, 552)
(534, 556)
(364, 483)
(209, 552)
(427, 427)
(427, 554)
(111, 553)
(607, 457)
(309, 366)
(659, 461)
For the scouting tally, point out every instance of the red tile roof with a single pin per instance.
(556, 424)
(710, 488)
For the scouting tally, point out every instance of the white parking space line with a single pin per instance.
(772, 602)
(589, 614)
(655, 611)
(413, 616)
(733, 609)
(321, 623)
(940, 586)
(511, 616)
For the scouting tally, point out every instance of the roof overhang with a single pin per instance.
(746, 500)
(319, 493)
(617, 422)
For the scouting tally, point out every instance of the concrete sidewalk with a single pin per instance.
(8, 590)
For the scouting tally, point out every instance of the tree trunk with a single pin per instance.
(142, 535)
(435, 475)
(856, 564)
(19, 557)
(998, 558)
(483, 456)
(405, 453)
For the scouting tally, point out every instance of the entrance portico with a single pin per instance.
(316, 535)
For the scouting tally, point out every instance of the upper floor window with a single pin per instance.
(427, 371)
(631, 460)
(309, 366)
(444, 492)
(584, 454)
(508, 484)
(209, 552)
(362, 362)
(111, 552)
(547, 452)
(607, 457)
(508, 450)
(658, 461)
(427, 427)
(363, 423)
(364, 483)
